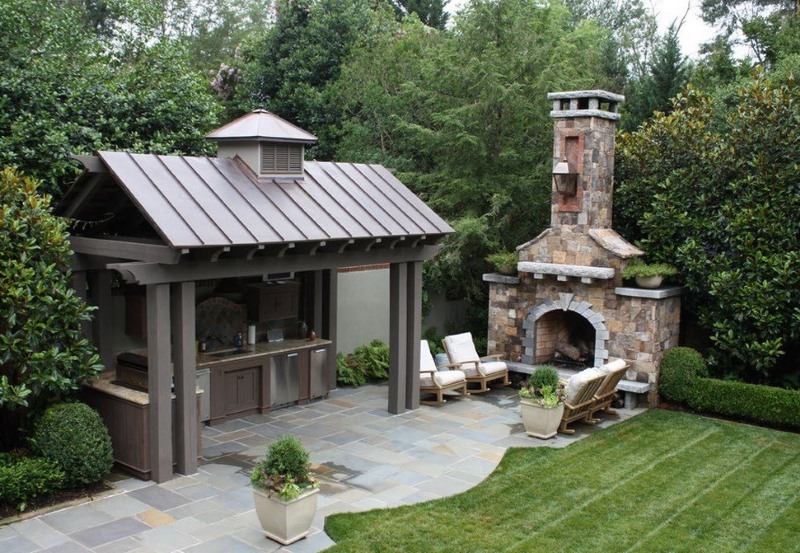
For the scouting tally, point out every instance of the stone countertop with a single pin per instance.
(252, 350)
(105, 382)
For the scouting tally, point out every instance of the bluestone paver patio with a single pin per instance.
(365, 458)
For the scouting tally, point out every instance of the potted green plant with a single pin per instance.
(504, 262)
(285, 491)
(541, 402)
(647, 275)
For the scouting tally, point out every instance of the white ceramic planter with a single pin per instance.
(540, 422)
(285, 521)
(649, 282)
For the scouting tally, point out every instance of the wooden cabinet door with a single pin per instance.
(241, 389)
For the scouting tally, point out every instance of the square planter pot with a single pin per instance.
(285, 521)
(540, 422)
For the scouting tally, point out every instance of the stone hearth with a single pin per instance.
(569, 294)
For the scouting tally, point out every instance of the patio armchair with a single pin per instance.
(580, 391)
(461, 353)
(603, 397)
(434, 381)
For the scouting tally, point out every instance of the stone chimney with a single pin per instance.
(585, 124)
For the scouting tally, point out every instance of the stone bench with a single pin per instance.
(631, 388)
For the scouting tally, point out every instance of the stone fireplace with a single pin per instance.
(568, 303)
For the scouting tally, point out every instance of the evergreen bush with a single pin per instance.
(544, 375)
(23, 478)
(684, 380)
(680, 367)
(367, 362)
(73, 435)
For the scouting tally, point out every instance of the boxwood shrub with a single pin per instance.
(684, 380)
(73, 435)
(24, 478)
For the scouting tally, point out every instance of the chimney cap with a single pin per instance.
(585, 103)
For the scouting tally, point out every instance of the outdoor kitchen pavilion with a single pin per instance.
(166, 222)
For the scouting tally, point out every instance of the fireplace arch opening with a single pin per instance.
(572, 335)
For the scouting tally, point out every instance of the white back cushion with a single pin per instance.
(611, 366)
(426, 362)
(577, 382)
(460, 348)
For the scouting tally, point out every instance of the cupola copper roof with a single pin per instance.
(262, 125)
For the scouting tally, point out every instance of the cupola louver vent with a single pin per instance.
(281, 159)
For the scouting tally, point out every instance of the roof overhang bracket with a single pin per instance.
(347, 243)
(254, 251)
(288, 246)
(395, 242)
(373, 243)
(418, 240)
(217, 253)
(318, 246)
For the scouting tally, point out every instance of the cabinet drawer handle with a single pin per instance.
(293, 355)
(320, 350)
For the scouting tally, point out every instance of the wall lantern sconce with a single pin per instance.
(566, 178)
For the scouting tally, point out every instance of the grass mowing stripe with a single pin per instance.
(783, 534)
(606, 492)
(689, 504)
(617, 520)
(739, 508)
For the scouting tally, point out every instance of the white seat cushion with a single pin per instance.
(577, 382)
(442, 378)
(493, 367)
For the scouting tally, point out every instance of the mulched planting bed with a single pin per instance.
(52, 502)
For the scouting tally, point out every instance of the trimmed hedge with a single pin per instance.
(73, 435)
(684, 380)
(24, 478)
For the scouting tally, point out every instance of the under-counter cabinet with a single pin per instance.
(242, 387)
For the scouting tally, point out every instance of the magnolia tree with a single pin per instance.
(714, 190)
(43, 355)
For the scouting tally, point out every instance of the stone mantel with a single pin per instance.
(559, 270)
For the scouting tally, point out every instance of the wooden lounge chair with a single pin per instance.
(614, 372)
(434, 381)
(580, 389)
(462, 354)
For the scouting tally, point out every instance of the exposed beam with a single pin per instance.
(92, 164)
(125, 249)
(151, 273)
(83, 196)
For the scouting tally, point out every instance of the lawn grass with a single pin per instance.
(662, 481)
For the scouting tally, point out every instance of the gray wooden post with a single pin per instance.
(159, 381)
(185, 367)
(330, 299)
(398, 336)
(413, 332)
(102, 325)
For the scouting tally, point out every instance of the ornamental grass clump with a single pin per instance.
(285, 469)
(544, 387)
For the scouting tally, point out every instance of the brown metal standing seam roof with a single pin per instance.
(201, 202)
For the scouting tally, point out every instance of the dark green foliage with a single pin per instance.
(434, 340)
(348, 372)
(73, 435)
(43, 353)
(768, 405)
(544, 375)
(680, 368)
(430, 12)
(75, 93)
(23, 478)
(367, 362)
(712, 189)
(287, 456)
(683, 379)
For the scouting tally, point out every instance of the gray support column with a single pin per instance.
(185, 366)
(330, 307)
(79, 284)
(398, 336)
(159, 381)
(413, 332)
(103, 323)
